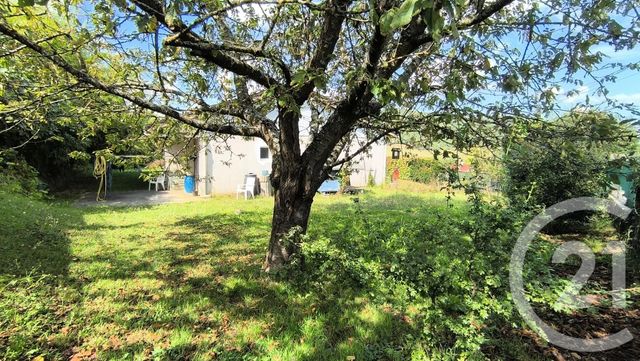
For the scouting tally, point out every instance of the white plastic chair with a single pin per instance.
(246, 188)
(159, 181)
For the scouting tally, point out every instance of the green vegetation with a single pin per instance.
(17, 176)
(127, 180)
(570, 157)
(83, 79)
(386, 278)
(178, 281)
(382, 276)
(422, 170)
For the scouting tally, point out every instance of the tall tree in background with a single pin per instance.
(54, 122)
(449, 69)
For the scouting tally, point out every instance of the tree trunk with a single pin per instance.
(295, 179)
(292, 205)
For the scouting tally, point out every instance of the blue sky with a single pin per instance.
(627, 86)
(626, 89)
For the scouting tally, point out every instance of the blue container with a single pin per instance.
(329, 186)
(626, 183)
(189, 184)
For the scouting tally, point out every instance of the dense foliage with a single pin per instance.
(418, 262)
(57, 125)
(573, 156)
(17, 176)
(422, 170)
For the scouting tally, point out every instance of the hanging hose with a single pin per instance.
(100, 171)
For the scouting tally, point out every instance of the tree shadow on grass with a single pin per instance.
(211, 284)
(34, 238)
(196, 289)
(35, 258)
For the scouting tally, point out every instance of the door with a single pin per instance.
(208, 179)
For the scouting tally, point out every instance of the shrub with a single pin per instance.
(426, 170)
(422, 170)
(19, 177)
(417, 261)
(371, 180)
(571, 157)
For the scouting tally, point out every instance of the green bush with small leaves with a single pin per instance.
(422, 170)
(17, 176)
(571, 157)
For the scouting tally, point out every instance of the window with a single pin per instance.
(264, 153)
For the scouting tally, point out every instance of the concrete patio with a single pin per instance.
(138, 198)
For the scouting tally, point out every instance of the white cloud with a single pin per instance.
(626, 98)
(523, 5)
(258, 10)
(620, 98)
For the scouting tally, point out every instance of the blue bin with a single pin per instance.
(189, 184)
(329, 186)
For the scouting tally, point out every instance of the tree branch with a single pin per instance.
(358, 102)
(186, 38)
(361, 150)
(214, 53)
(13, 51)
(84, 77)
(331, 28)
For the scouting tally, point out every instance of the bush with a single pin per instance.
(426, 170)
(417, 262)
(570, 158)
(17, 176)
(421, 170)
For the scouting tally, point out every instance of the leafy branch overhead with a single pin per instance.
(429, 12)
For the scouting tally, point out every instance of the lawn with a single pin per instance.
(386, 276)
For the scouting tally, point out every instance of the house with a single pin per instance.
(219, 166)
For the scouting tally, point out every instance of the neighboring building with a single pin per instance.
(220, 166)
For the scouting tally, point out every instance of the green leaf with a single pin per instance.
(24, 3)
(454, 31)
(451, 8)
(56, 138)
(397, 17)
(171, 15)
(299, 78)
(374, 12)
(435, 22)
(557, 60)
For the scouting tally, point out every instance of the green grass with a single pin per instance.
(127, 180)
(184, 281)
(176, 281)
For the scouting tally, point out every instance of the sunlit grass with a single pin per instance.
(184, 281)
(180, 281)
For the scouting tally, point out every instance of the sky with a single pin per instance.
(625, 89)
(627, 86)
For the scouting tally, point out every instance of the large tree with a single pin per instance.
(453, 69)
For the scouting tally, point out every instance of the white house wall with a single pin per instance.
(368, 163)
(238, 156)
(232, 160)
